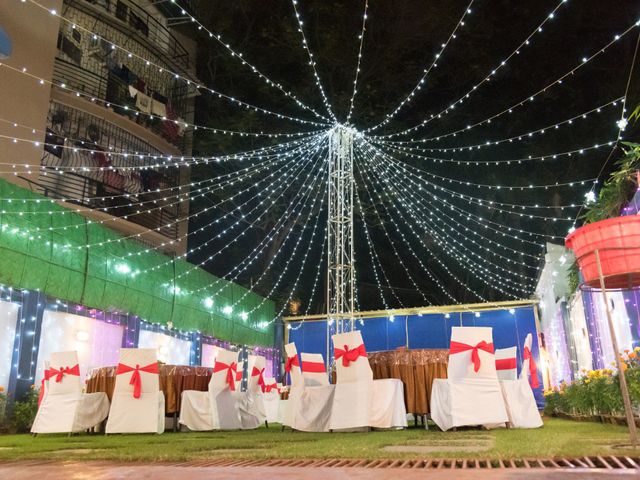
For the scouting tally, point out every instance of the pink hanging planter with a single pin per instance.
(618, 243)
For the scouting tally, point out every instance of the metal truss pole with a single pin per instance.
(340, 258)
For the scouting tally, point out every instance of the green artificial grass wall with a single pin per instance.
(40, 250)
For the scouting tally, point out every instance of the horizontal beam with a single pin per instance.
(470, 307)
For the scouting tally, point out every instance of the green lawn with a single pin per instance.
(558, 437)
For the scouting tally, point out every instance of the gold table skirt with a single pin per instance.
(416, 368)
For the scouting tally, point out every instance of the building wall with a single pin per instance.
(22, 100)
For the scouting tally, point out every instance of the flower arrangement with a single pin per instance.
(596, 392)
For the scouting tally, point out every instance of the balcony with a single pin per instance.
(127, 193)
(134, 21)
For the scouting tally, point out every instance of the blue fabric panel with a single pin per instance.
(428, 331)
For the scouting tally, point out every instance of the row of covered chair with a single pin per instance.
(356, 401)
(482, 387)
(137, 404)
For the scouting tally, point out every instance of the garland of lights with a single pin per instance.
(355, 80)
(187, 80)
(449, 249)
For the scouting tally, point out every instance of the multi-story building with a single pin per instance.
(99, 77)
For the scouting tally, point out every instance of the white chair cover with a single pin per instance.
(216, 408)
(144, 414)
(506, 363)
(387, 408)
(296, 388)
(527, 366)
(314, 370)
(521, 404)
(313, 412)
(472, 394)
(351, 407)
(250, 403)
(271, 399)
(64, 408)
(239, 375)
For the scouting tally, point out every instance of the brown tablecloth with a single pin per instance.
(174, 379)
(416, 369)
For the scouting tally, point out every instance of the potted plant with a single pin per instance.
(615, 238)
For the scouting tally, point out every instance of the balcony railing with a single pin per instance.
(130, 16)
(87, 141)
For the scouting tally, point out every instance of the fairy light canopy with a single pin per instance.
(474, 137)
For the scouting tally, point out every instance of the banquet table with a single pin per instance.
(416, 368)
(174, 379)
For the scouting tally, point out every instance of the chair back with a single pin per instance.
(271, 386)
(529, 367)
(506, 363)
(471, 353)
(224, 370)
(256, 381)
(314, 370)
(352, 364)
(137, 372)
(294, 365)
(63, 373)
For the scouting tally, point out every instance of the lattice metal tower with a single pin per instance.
(340, 258)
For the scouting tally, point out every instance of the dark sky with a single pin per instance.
(401, 39)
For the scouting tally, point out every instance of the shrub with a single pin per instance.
(24, 412)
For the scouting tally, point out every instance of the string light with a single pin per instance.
(189, 82)
(355, 80)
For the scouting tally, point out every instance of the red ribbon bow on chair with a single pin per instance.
(256, 372)
(75, 370)
(350, 355)
(533, 368)
(136, 381)
(457, 347)
(273, 386)
(47, 374)
(231, 373)
(291, 362)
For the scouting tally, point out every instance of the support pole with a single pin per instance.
(631, 422)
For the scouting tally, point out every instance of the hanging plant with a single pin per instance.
(618, 189)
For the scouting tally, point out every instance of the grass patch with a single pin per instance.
(557, 438)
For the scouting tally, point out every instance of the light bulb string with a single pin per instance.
(177, 76)
(357, 74)
(388, 186)
(139, 113)
(425, 72)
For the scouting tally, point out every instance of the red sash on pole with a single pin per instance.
(533, 368)
(313, 367)
(136, 381)
(256, 372)
(291, 362)
(231, 373)
(457, 347)
(348, 355)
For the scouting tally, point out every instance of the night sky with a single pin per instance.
(401, 40)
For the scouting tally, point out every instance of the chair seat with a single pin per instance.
(314, 409)
(195, 411)
(141, 415)
(351, 407)
(467, 402)
(521, 404)
(272, 406)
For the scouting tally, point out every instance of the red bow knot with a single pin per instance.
(350, 355)
(136, 380)
(256, 372)
(47, 374)
(75, 370)
(533, 368)
(231, 373)
(457, 347)
(291, 362)
(273, 386)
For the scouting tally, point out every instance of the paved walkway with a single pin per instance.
(114, 471)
